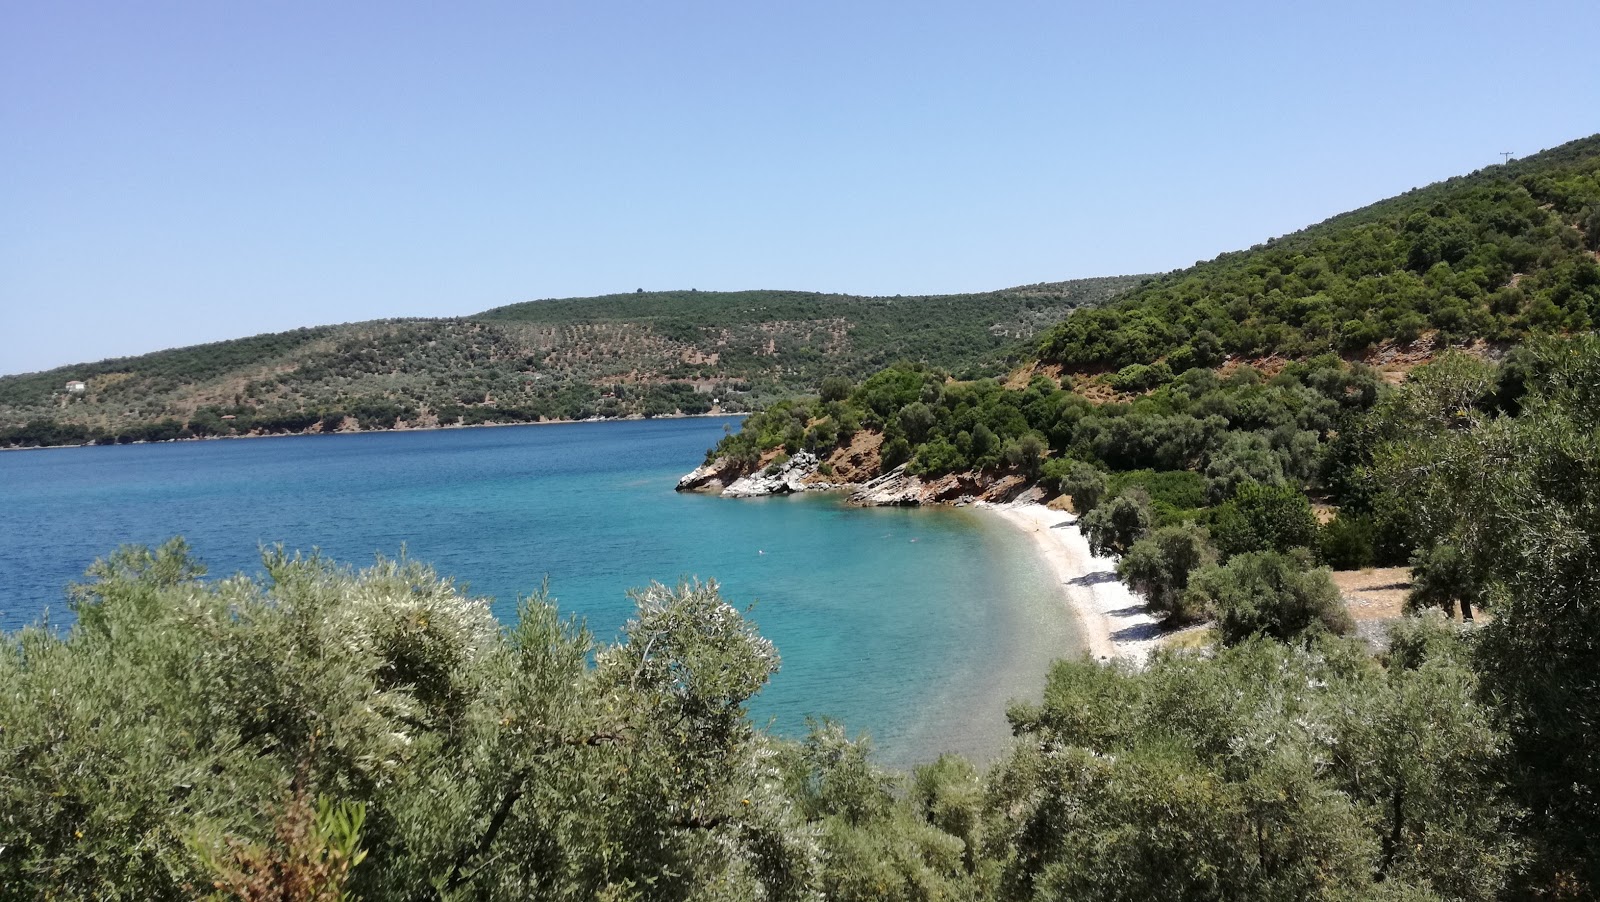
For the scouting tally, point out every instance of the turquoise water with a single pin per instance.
(915, 625)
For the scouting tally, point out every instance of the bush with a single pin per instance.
(1269, 594)
(1158, 567)
(1025, 454)
(1175, 495)
(896, 451)
(1444, 578)
(1346, 542)
(835, 388)
(1113, 527)
(151, 748)
(1084, 483)
(1264, 518)
(1138, 377)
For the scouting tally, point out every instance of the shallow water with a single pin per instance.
(915, 625)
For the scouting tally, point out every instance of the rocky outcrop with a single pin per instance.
(711, 477)
(897, 488)
(892, 489)
(794, 475)
(854, 468)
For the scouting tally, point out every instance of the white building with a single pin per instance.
(76, 388)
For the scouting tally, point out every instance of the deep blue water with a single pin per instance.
(915, 625)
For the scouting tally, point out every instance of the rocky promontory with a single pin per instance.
(805, 472)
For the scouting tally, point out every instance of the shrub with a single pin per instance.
(896, 451)
(1346, 542)
(1158, 567)
(1270, 594)
(1084, 483)
(835, 388)
(1025, 454)
(1443, 577)
(1264, 518)
(1113, 527)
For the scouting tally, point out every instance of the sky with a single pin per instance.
(180, 172)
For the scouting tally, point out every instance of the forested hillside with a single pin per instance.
(1490, 257)
(645, 353)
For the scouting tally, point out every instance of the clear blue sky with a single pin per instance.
(172, 173)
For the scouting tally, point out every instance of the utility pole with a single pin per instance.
(1507, 155)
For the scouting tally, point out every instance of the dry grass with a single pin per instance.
(1374, 594)
(1191, 638)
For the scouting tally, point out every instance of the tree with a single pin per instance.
(1245, 458)
(1158, 567)
(1025, 454)
(836, 388)
(1263, 772)
(1264, 518)
(1519, 497)
(149, 750)
(1346, 542)
(1269, 594)
(917, 419)
(1084, 483)
(1112, 528)
(1442, 577)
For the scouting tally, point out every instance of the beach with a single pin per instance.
(1111, 618)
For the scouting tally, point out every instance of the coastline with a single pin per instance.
(631, 418)
(1111, 619)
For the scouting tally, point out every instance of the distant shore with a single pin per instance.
(1111, 618)
(633, 418)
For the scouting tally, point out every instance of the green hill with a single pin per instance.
(1493, 256)
(1249, 366)
(645, 353)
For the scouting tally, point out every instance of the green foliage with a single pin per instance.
(1519, 498)
(1158, 567)
(313, 851)
(877, 841)
(1084, 483)
(835, 388)
(497, 763)
(1264, 518)
(1112, 528)
(1498, 254)
(1024, 455)
(1268, 772)
(1347, 542)
(1138, 378)
(1175, 495)
(1268, 594)
(1443, 577)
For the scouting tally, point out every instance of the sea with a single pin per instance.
(914, 627)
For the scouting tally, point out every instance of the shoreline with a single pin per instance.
(1111, 618)
(635, 418)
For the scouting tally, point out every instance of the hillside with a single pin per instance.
(1248, 367)
(645, 353)
(1490, 257)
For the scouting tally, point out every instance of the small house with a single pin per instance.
(76, 388)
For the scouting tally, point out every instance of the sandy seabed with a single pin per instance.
(1112, 619)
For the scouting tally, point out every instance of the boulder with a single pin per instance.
(709, 478)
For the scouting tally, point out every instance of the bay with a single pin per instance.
(914, 625)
